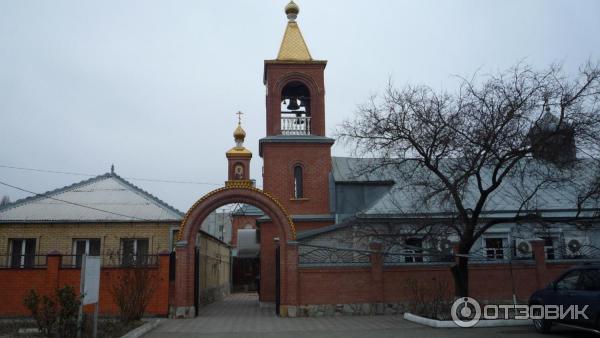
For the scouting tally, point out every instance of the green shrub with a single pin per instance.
(56, 316)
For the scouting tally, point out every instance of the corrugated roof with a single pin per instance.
(405, 197)
(247, 210)
(106, 198)
(361, 170)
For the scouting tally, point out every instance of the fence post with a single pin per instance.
(377, 270)
(540, 261)
(53, 259)
(164, 258)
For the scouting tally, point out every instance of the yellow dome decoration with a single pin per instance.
(292, 10)
(239, 133)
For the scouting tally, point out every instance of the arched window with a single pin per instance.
(298, 191)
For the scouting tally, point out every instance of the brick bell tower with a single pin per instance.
(296, 152)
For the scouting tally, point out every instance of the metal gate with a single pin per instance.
(277, 282)
(196, 280)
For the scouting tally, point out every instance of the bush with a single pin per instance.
(55, 316)
(132, 293)
(433, 301)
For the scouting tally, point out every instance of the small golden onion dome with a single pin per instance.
(292, 9)
(239, 133)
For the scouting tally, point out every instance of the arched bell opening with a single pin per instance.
(295, 109)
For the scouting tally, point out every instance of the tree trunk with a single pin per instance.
(460, 272)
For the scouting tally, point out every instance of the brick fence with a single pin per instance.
(379, 288)
(15, 283)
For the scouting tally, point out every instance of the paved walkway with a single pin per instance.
(240, 316)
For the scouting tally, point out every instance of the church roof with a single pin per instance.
(293, 47)
(104, 198)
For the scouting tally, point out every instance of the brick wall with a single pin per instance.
(60, 237)
(214, 267)
(278, 175)
(16, 283)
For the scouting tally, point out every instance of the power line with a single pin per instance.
(91, 175)
(73, 203)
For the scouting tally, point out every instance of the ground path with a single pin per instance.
(240, 316)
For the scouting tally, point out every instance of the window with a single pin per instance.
(298, 191)
(569, 282)
(90, 247)
(590, 280)
(22, 252)
(412, 245)
(549, 247)
(494, 248)
(135, 251)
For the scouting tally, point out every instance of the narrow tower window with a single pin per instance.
(298, 191)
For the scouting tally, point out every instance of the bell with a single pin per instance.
(293, 105)
(303, 102)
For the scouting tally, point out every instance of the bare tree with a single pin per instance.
(454, 151)
(4, 201)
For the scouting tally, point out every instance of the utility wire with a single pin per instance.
(91, 175)
(73, 203)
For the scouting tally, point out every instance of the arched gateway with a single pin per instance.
(238, 189)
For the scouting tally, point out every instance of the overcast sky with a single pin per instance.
(153, 86)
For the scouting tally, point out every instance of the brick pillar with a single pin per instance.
(184, 281)
(53, 260)
(162, 288)
(377, 271)
(291, 295)
(540, 261)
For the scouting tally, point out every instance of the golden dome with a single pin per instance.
(292, 10)
(239, 133)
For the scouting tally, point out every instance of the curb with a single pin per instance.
(142, 330)
(448, 324)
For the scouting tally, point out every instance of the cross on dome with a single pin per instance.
(239, 133)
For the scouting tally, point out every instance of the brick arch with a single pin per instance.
(189, 227)
(305, 79)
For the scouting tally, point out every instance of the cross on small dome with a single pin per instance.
(239, 133)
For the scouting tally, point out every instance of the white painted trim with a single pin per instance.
(448, 324)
